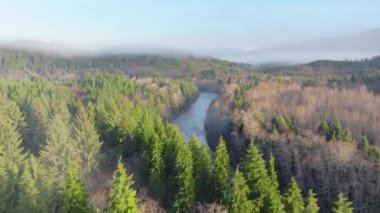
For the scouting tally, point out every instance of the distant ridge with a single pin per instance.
(350, 46)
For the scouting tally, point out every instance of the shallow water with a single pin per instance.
(192, 121)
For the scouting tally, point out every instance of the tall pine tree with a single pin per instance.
(342, 205)
(11, 157)
(203, 174)
(312, 203)
(87, 144)
(257, 177)
(58, 150)
(157, 170)
(30, 199)
(221, 173)
(185, 180)
(293, 199)
(196, 153)
(239, 195)
(74, 195)
(273, 200)
(122, 198)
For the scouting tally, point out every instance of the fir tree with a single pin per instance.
(364, 145)
(185, 180)
(272, 173)
(30, 199)
(203, 175)
(342, 205)
(293, 199)
(256, 175)
(157, 172)
(324, 128)
(87, 144)
(273, 200)
(11, 158)
(122, 198)
(221, 173)
(74, 195)
(312, 203)
(239, 195)
(197, 162)
(58, 150)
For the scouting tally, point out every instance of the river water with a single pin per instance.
(192, 121)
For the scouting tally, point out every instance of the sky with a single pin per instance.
(184, 24)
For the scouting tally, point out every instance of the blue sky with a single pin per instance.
(207, 24)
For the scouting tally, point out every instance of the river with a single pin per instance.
(192, 121)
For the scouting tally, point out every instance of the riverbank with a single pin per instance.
(193, 120)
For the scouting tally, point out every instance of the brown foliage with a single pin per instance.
(329, 169)
(358, 109)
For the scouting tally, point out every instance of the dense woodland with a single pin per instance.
(102, 142)
(327, 138)
(346, 73)
(19, 64)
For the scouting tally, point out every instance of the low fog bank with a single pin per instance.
(354, 46)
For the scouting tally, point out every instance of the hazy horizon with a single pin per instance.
(221, 29)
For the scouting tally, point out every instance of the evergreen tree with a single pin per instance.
(364, 145)
(324, 128)
(157, 172)
(273, 200)
(174, 137)
(221, 173)
(58, 150)
(196, 153)
(239, 195)
(11, 158)
(272, 173)
(257, 177)
(74, 195)
(342, 205)
(87, 144)
(293, 199)
(185, 180)
(145, 131)
(312, 203)
(122, 198)
(203, 175)
(30, 199)
(38, 121)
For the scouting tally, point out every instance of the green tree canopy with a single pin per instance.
(240, 202)
(293, 199)
(185, 179)
(342, 205)
(87, 144)
(256, 174)
(74, 195)
(221, 173)
(312, 203)
(122, 198)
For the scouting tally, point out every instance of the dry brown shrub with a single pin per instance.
(358, 109)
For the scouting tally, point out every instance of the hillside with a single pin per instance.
(354, 45)
(330, 68)
(17, 63)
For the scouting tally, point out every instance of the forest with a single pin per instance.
(325, 137)
(21, 63)
(102, 141)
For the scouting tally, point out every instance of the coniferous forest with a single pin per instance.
(189, 106)
(104, 143)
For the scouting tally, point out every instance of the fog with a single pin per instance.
(347, 46)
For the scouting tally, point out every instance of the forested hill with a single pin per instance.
(20, 63)
(331, 68)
